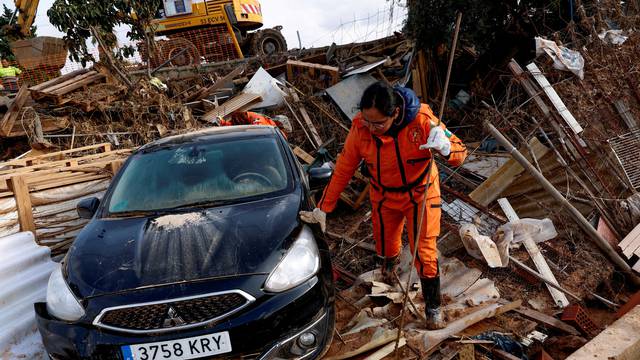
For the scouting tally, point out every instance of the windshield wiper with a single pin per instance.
(134, 213)
(205, 204)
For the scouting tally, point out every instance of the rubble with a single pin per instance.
(562, 170)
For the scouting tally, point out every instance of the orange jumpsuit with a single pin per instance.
(248, 118)
(398, 171)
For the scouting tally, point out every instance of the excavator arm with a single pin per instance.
(26, 15)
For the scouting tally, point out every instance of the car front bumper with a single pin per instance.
(267, 330)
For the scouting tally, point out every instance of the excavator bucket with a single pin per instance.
(40, 52)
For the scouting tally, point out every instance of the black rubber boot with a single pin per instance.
(432, 300)
(388, 268)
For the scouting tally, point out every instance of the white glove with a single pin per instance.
(438, 141)
(316, 216)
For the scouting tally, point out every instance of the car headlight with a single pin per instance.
(300, 264)
(61, 302)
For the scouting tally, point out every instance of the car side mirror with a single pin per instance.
(319, 176)
(88, 207)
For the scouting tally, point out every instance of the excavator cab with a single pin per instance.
(213, 30)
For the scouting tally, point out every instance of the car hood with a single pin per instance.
(115, 255)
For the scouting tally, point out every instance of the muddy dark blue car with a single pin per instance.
(196, 251)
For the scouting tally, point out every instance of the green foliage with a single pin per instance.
(431, 22)
(76, 18)
(5, 50)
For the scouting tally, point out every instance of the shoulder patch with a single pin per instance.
(416, 135)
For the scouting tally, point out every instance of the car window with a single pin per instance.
(199, 173)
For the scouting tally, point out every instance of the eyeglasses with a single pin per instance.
(376, 125)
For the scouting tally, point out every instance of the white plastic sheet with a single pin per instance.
(266, 86)
(613, 37)
(538, 230)
(563, 58)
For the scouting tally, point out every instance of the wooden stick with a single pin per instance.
(451, 57)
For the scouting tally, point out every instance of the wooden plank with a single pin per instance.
(636, 267)
(547, 320)
(206, 92)
(555, 98)
(114, 166)
(311, 127)
(467, 352)
(58, 80)
(528, 87)
(48, 125)
(80, 84)
(491, 188)
(10, 117)
(303, 155)
(631, 236)
(314, 132)
(98, 165)
(52, 89)
(20, 191)
(70, 181)
(630, 242)
(63, 163)
(105, 147)
(236, 104)
(626, 114)
(558, 296)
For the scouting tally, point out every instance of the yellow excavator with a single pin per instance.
(43, 53)
(195, 30)
(214, 30)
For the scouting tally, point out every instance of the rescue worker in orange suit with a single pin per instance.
(252, 118)
(395, 135)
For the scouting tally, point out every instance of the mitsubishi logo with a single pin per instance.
(172, 319)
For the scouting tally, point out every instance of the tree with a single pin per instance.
(484, 22)
(76, 18)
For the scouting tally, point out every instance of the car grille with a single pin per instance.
(171, 315)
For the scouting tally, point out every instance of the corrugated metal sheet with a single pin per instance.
(530, 200)
(24, 272)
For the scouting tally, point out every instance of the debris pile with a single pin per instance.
(540, 240)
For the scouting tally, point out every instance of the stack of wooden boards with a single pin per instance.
(40, 193)
(57, 88)
(630, 246)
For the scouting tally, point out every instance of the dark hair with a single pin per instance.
(381, 96)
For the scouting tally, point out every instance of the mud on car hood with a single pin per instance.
(113, 255)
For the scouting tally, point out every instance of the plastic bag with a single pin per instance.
(563, 58)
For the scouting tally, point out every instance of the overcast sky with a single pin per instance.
(319, 22)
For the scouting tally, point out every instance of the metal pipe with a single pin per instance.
(571, 210)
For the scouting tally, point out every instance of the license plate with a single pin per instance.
(189, 348)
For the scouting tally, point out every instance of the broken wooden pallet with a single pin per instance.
(56, 89)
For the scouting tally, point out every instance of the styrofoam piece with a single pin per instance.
(24, 272)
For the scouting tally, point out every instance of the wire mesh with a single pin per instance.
(627, 150)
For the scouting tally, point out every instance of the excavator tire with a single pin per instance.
(173, 47)
(267, 42)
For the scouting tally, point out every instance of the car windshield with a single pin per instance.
(199, 174)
